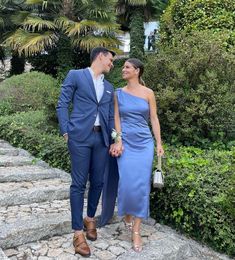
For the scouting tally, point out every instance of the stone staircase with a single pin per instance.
(35, 219)
(33, 198)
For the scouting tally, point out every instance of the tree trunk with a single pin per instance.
(17, 63)
(137, 33)
(67, 9)
(64, 57)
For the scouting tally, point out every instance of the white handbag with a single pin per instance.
(158, 179)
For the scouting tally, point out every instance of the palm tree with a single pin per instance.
(8, 9)
(87, 24)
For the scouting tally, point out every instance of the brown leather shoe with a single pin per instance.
(80, 245)
(90, 228)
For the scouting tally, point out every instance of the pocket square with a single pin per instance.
(108, 91)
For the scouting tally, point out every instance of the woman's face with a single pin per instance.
(129, 71)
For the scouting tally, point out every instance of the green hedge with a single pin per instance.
(198, 197)
(197, 15)
(194, 81)
(29, 130)
(28, 91)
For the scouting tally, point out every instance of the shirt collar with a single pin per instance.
(100, 77)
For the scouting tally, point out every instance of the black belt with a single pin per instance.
(97, 128)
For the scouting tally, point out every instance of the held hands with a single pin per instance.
(116, 149)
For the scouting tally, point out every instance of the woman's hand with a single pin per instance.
(160, 150)
(116, 149)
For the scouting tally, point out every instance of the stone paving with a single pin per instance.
(35, 220)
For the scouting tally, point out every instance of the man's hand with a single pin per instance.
(116, 149)
(66, 137)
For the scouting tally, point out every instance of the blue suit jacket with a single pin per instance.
(78, 89)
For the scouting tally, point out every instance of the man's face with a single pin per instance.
(106, 61)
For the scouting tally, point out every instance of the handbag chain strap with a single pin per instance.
(159, 163)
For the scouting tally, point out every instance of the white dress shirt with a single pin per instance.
(99, 90)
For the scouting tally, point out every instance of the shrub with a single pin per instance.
(197, 197)
(115, 76)
(45, 62)
(197, 15)
(28, 91)
(194, 80)
(28, 130)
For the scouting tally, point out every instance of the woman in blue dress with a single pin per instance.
(135, 106)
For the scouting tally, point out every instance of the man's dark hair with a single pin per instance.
(96, 51)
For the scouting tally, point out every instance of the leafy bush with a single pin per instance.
(45, 62)
(198, 197)
(215, 15)
(115, 76)
(28, 130)
(194, 80)
(28, 91)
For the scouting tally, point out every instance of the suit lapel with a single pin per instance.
(104, 93)
(90, 83)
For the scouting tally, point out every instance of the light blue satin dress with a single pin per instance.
(135, 164)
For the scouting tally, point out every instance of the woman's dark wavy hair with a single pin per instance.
(137, 64)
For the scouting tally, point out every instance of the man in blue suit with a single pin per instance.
(87, 130)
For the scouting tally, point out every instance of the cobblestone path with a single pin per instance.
(35, 219)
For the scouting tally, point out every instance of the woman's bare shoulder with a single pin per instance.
(148, 91)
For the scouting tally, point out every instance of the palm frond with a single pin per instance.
(98, 13)
(14, 40)
(19, 17)
(37, 24)
(99, 9)
(89, 42)
(86, 26)
(31, 43)
(63, 23)
(38, 42)
(34, 2)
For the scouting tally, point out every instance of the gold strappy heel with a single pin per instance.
(137, 247)
(128, 225)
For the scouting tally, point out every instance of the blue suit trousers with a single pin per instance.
(88, 161)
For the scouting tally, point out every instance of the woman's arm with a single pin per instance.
(155, 123)
(117, 123)
(117, 148)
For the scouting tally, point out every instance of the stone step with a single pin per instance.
(30, 173)
(4, 144)
(27, 223)
(114, 242)
(6, 160)
(3, 256)
(16, 193)
(9, 151)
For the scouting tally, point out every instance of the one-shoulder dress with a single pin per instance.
(135, 163)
